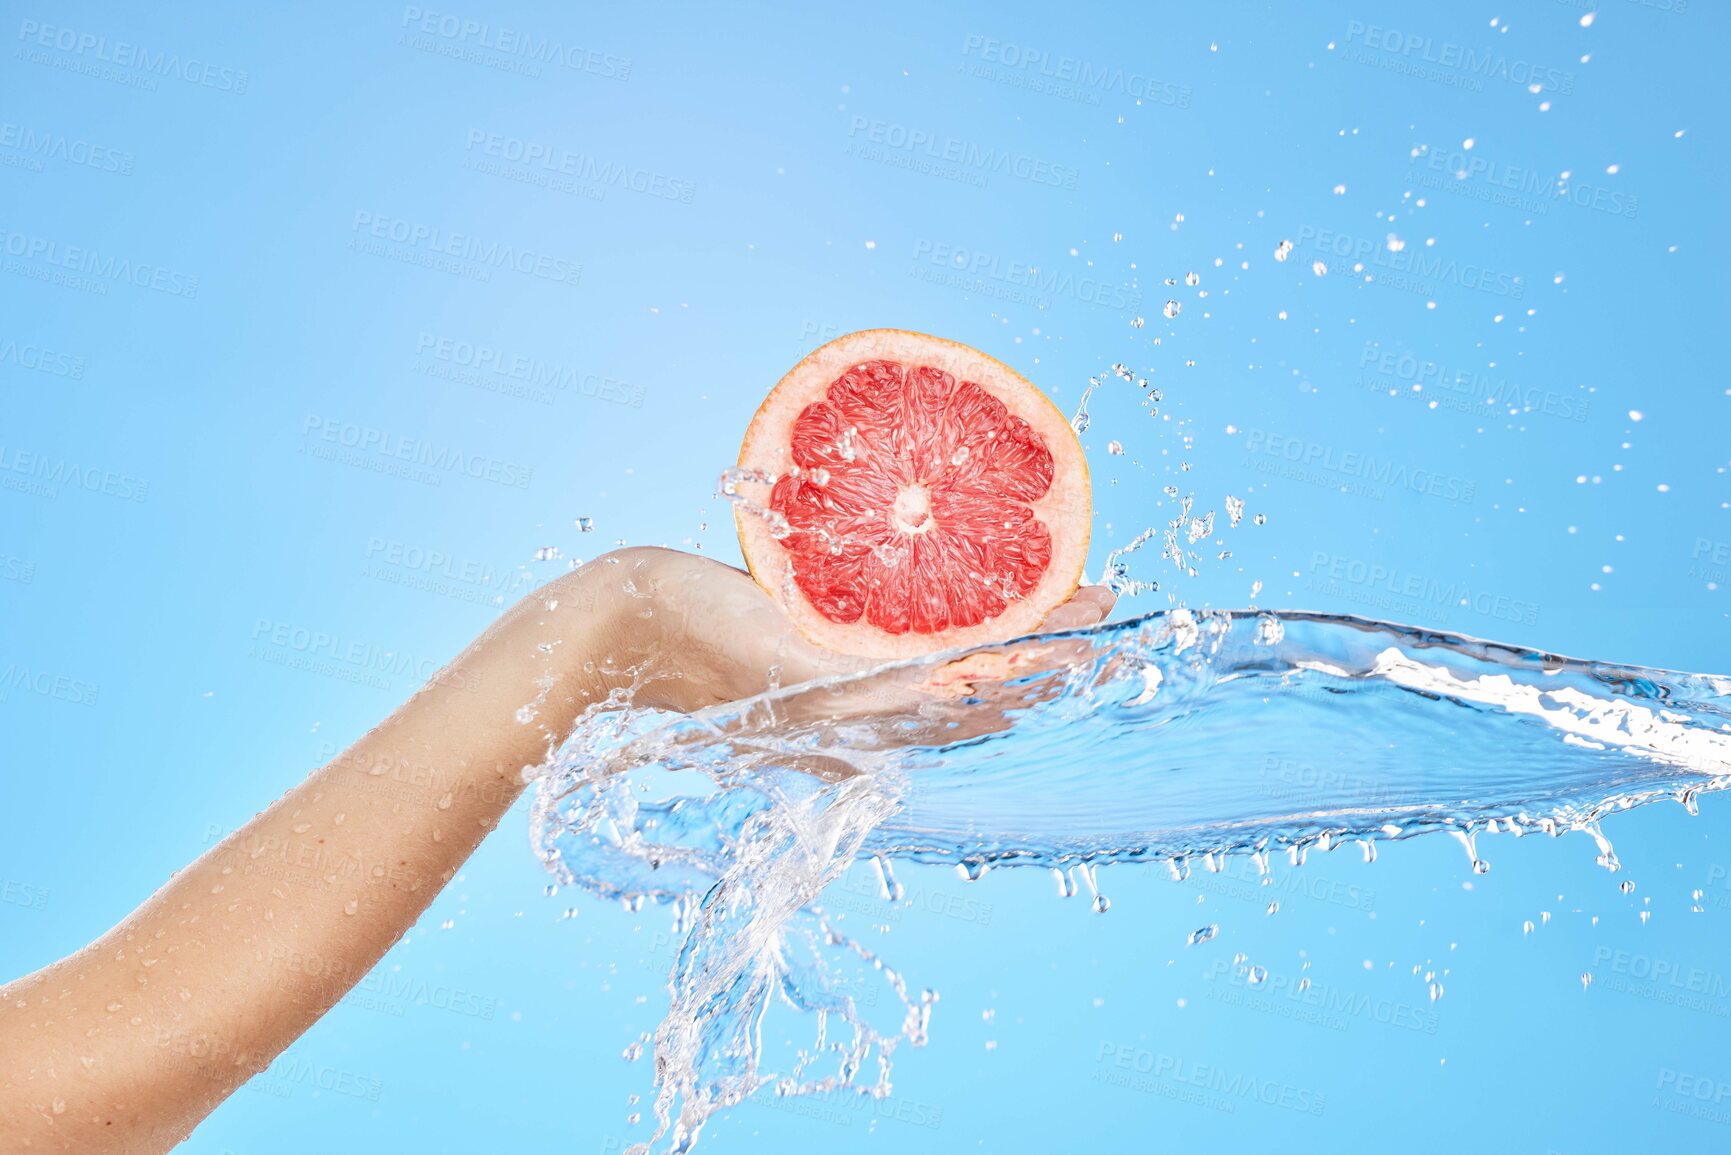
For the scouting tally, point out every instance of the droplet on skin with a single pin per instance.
(351, 906)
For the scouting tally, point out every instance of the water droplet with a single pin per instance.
(1586, 979)
(1256, 976)
(1115, 449)
(1203, 934)
(547, 553)
(1282, 250)
(586, 524)
(1627, 886)
(960, 455)
(1193, 279)
(1319, 268)
(1172, 309)
(1274, 907)
(351, 906)
(1137, 322)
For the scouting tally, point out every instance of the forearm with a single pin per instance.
(145, 1031)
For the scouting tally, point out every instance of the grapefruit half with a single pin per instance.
(916, 495)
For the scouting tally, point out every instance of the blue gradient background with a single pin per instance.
(155, 607)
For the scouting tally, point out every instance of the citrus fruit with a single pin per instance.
(917, 495)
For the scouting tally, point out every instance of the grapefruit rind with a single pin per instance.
(1066, 508)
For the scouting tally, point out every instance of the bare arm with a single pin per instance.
(129, 1043)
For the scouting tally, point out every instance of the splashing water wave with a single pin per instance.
(1164, 738)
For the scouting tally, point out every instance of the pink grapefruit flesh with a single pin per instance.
(924, 496)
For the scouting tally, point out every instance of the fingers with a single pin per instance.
(1088, 606)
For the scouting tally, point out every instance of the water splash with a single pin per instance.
(738, 817)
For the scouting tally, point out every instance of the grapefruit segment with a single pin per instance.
(924, 496)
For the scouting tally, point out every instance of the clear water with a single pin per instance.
(350, 437)
(1181, 741)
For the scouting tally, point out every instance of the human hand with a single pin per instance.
(685, 632)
